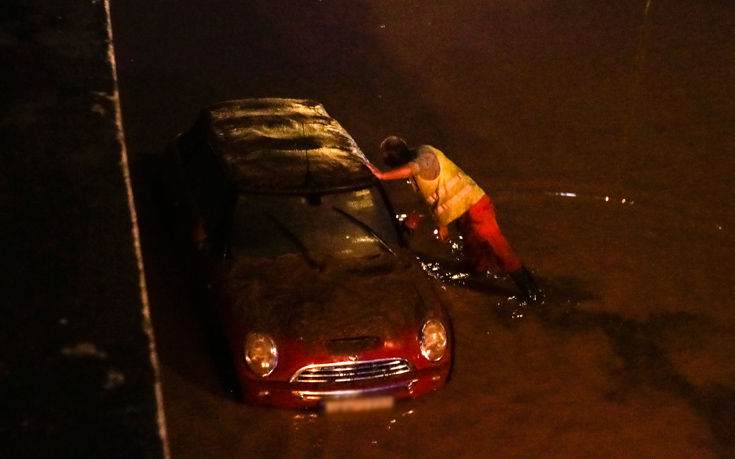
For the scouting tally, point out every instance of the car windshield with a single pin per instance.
(343, 225)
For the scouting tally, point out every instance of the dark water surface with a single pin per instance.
(603, 132)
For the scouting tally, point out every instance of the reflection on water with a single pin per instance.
(606, 198)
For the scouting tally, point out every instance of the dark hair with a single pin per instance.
(395, 151)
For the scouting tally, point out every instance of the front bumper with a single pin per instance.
(309, 395)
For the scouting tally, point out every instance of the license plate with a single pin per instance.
(341, 405)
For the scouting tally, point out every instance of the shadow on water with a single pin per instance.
(642, 346)
(637, 344)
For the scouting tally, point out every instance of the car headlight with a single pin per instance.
(433, 340)
(261, 354)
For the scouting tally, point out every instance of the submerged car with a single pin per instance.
(299, 251)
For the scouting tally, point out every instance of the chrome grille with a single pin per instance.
(351, 371)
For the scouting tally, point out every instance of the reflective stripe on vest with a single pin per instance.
(452, 193)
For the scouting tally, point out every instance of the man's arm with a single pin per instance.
(402, 172)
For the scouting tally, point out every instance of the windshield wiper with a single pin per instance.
(293, 238)
(381, 242)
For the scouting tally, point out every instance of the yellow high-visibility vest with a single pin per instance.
(452, 193)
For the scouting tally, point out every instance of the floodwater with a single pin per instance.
(630, 355)
(603, 133)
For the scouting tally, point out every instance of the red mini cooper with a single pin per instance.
(302, 258)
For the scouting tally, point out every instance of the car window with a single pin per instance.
(208, 184)
(344, 225)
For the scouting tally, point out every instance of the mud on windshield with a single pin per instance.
(350, 224)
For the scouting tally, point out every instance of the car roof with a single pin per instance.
(281, 145)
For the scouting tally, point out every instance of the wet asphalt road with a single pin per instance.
(604, 134)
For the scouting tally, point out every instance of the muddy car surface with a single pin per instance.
(300, 254)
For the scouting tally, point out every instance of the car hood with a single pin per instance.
(378, 297)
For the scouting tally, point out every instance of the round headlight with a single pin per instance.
(433, 340)
(261, 354)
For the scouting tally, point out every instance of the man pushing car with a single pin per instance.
(452, 195)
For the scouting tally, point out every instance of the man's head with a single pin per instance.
(395, 152)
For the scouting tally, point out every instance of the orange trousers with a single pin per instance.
(485, 247)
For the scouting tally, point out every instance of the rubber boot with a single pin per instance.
(530, 292)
